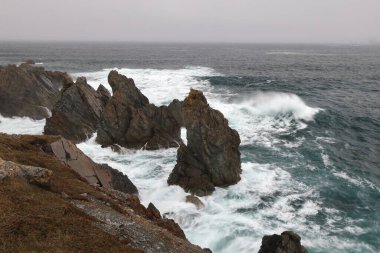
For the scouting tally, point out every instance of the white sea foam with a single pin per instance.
(262, 116)
(256, 117)
(261, 203)
(161, 86)
(21, 125)
(267, 200)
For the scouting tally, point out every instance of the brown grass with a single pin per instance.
(33, 219)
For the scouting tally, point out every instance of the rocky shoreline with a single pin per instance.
(104, 201)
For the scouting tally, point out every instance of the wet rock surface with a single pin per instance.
(29, 91)
(77, 112)
(211, 157)
(194, 200)
(287, 242)
(130, 121)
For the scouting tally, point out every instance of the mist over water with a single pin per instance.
(309, 125)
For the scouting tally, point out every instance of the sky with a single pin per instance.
(241, 21)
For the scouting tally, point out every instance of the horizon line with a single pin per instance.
(190, 42)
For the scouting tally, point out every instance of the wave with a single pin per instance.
(262, 116)
(21, 125)
(268, 199)
(279, 103)
(161, 86)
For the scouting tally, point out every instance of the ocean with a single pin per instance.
(309, 122)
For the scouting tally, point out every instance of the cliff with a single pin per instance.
(68, 212)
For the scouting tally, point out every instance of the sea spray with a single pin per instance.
(280, 188)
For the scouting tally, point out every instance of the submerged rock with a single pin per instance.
(211, 157)
(194, 200)
(130, 121)
(29, 91)
(77, 112)
(287, 242)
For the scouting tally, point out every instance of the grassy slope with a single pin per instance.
(33, 219)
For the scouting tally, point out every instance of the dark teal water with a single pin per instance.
(335, 154)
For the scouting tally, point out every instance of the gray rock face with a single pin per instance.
(129, 120)
(29, 91)
(95, 174)
(34, 175)
(194, 200)
(287, 242)
(211, 157)
(77, 112)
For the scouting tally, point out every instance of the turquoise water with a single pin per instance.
(308, 117)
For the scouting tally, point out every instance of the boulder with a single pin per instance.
(77, 112)
(130, 121)
(194, 200)
(34, 175)
(100, 175)
(211, 157)
(29, 91)
(287, 242)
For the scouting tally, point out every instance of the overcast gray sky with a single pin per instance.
(294, 21)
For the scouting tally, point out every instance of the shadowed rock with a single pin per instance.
(194, 200)
(77, 112)
(29, 91)
(82, 218)
(129, 120)
(95, 174)
(211, 157)
(287, 242)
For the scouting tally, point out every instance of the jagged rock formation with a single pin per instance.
(29, 91)
(71, 215)
(129, 120)
(211, 157)
(95, 174)
(287, 242)
(77, 112)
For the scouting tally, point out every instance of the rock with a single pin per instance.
(116, 148)
(287, 242)
(194, 200)
(64, 195)
(175, 107)
(95, 174)
(103, 94)
(77, 112)
(153, 212)
(117, 220)
(211, 157)
(29, 91)
(30, 62)
(33, 175)
(130, 121)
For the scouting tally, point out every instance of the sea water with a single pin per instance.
(309, 123)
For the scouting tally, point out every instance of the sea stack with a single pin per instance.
(130, 121)
(211, 157)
